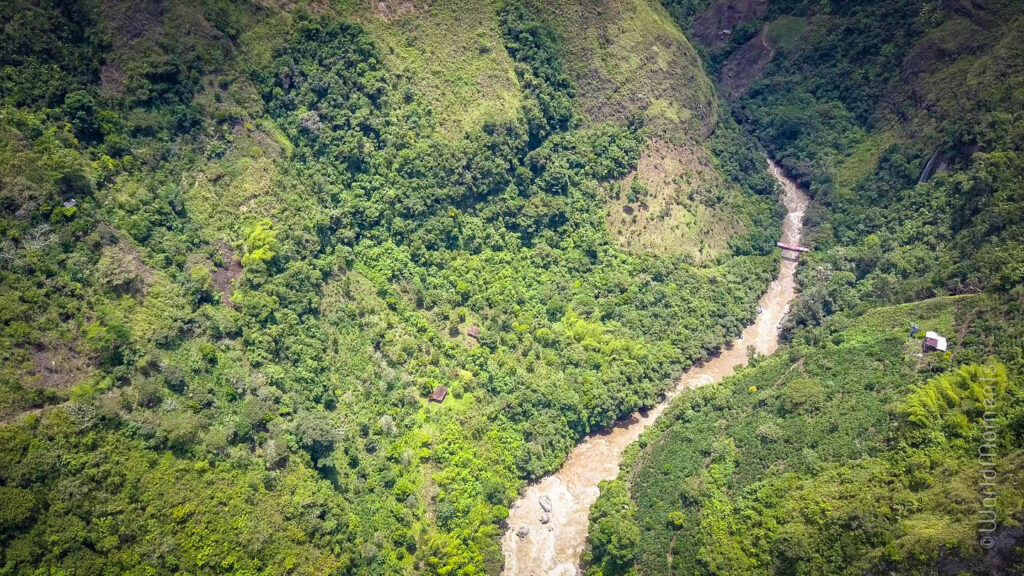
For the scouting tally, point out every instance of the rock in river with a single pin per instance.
(522, 532)
(545, 503)
(545, 518)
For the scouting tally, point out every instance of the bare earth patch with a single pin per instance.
(285, 5)
(59, 367)
(714, 27)
(121, 266)
(229, 269)
(129, 21)
(111, 78)
(126, 24)
(746, 65)
(394, 9)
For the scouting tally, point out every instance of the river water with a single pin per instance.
(554, 549)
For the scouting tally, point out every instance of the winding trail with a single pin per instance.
(554, 549)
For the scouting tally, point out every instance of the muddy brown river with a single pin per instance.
(554, 549)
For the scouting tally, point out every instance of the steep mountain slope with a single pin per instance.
(630, 62)
(452, 54)
(243, 242)
(904, 121)
(818, 460)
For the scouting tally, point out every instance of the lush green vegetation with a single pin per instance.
(870, 135)
(830, 459)
(240, 243)
(845, 453)
(238, 249)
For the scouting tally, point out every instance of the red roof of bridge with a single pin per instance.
(793, 247)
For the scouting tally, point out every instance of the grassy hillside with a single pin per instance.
(631, 62)
(904, 121)
(628, 62)
(241, 243)
(629, 59)
(453, 56)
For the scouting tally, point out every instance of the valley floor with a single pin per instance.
(540, 541)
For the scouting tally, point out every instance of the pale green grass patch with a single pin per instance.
(862, 160)
(787, 30)
(452, 55)
(627, 55)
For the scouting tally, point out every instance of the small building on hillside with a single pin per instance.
(474, 331)
(933, 342)
(439, 394)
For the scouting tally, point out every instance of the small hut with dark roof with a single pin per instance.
(439, 394)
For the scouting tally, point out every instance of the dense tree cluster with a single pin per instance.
(237, 254)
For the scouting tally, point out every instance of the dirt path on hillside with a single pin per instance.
(553, 549)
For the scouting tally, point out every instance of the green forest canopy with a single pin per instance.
(238, 252)
(241, 243)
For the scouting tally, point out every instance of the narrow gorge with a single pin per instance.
(548, 538)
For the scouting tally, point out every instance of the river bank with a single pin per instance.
(541, 542)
